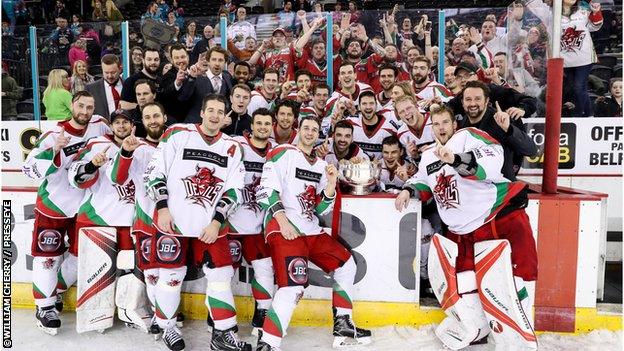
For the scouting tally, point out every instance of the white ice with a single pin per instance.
(26, 336)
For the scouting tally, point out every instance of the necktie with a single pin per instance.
(216, 84)
(115, 93)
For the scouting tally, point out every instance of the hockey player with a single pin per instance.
(320, 94)
(194, 177)
(370, 128)
(427, 91)
(57, 202)
(104, 204)
(348, 93)
(296, 187)
(265, 95)
(415, 133)
(394, 169)
(463, 174)
(244, 226)
(284, 131)
(341, 146)
(129, 165)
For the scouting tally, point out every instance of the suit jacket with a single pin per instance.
(97, 89)
(194, 90)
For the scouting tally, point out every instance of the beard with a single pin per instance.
(121, 135)
(474, 114)
(151, 71)
(155, 134)
(80, 120)
(354, 56)
(419, 79)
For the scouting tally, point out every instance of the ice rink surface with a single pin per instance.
(26, 336)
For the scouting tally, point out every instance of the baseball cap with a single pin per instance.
(119, 113)
(281, 30)
(466, 67)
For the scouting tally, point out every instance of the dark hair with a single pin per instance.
(145, 50)
(320, 86)
(367, 93)
(613, 81)
(310, 118)
(290, 104)
(262, 111)
(302, 72)
(243, 86)
(150, 84)
(343, 124)
(177, 47)
(390, 67)
(212, 97)
(242, 63)
(501, 53)
(441, 109)
(270, 71)
(80, 94)
(346, 63)
(391, 140)
(478, 84)
(425, 59)
(155, 103)
(110, 59)
(217, 49)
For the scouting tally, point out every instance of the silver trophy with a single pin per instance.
(360, 176)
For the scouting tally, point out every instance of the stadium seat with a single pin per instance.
(25, 106)
(617, 72)
(27, 93)
(607, 60)
(25, 117)
(257, 10)
(602, 72)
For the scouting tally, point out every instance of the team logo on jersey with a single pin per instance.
(249, 194)
(48, 263)
(307, 201)
(235, 250)
(297, 270)
(203, 187)
(126, 192)
(49, 240)
(572, 39)
(168, 248)
(496, 327)
(445, 191)
(146, 248)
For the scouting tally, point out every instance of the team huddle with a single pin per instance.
(185, 193)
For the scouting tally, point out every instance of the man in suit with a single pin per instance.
(107, 90)
(196, 85)
(167, 93)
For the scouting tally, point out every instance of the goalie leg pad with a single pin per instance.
(498, 293)
(132, 303)
(97, 253)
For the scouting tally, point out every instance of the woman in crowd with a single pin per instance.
(610, 106)
(77, 52)
(56, 96)
(137, 59)
(80, 77)
(98, 14)
(190, 37)
(76, 24)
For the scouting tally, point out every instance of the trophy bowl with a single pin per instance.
(360, 176)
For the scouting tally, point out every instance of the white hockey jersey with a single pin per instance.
(126, 170)
(198, 171)
(388, 178)
(338, 95)
(388, 111)
(371, 143)
(420, 136)
(294, 183)
(466, 203)
(104, 203)
(248, 216)
(432, 90)
(259, 100)
(354, 151)
(56, 198)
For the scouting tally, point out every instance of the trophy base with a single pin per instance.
(360, 190)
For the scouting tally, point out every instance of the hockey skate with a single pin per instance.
(155, 330)
(210, 322)
(48, 320)
(180, 320)
(263, 346)
(172, 338)
(58, 304)
(347, 335)
(227, 340)
(258, 320)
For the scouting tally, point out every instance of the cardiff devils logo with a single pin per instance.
(126, 192)
(203, 188)
(249, 194)
(445, 191)
(307, 201)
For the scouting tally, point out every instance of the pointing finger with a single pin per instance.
(132, 132)
(498, 108)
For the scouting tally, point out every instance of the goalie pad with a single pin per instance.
(465, 322)
(97, 253)
(132, 302)
(497, 291)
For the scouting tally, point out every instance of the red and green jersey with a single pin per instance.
(56, 198)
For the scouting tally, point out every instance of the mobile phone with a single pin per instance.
(428, 26)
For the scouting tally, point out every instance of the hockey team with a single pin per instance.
(189, 195)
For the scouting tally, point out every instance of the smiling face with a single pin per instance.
(261, 127)
(212, 116)
(408, 113)
(180, 59)
(121, 127)
(82, 110)
(343, 138)
(285, 117)
(346, 77)
(81, 68)
(474, 102)
(387, 78)
(151, 62)
(154, 121)
(269, 83)
(241, 73)
(420, 72)
(368, 104)
(308, 133)
(392, 154)
(320, 98)
(304, 82)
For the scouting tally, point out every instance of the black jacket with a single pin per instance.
(516, 142)
(241, 124)
(168, 96)
(506, 97)
(607, 107)
(194, 90)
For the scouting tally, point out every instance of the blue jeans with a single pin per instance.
(579, 76)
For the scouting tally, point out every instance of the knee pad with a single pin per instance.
(220, 274)
(263, 267)
(441, 269)
(349, 268)
(47, 263)
(171, 278)
(125, 259)
(291, 294)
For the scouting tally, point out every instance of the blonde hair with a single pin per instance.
(110, 6)
(55, 80)
(407, 88)
(74, 70)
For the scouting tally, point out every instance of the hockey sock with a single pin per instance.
(343, 288)
(167, 295)
(67, 274)
(278, 317)
(219, 297)
(151, 278)
(44, 280)
(262, 283)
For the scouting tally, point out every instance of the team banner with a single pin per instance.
(587, 146)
